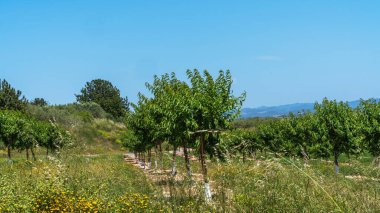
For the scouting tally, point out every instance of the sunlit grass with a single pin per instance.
(106, 183)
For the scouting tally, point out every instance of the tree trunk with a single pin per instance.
(204, 169)
(144, 161)
(244, 157)
(161, 158)
(155, 157)
(253, 154)
(33, 155)
(140, 159)
(135, 153)
(199, 157)
(9, 152)
(378, 162)
(174, 162)
(336, 164)
(47, 152)
(149, 159)
(304, 154)
(187, 160)
(27, 153)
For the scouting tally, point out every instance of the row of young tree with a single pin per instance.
(333, 129)
(187, 115)
(21, 132)
(198, 113)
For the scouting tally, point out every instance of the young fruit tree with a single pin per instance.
(173, 101)
(214, 107)
(341, 128)
(370, 116)
(144, 127)
(10, 123)
(27, 139)
(302, 131)
(272, 136)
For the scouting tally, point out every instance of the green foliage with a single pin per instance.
(171, 108)
(272, 135)
(30, 136)
(143, 126)
(236, 142)
(106, 95)
(129, 140)
(91, 129)
(303, 133)
(69, 115)
(213, 104)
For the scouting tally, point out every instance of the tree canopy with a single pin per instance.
(370, 117)
(39, 102)
(106, 95)
(10, 98)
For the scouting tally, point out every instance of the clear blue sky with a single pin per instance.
(278, 51)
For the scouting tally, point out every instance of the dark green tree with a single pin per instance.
(39, 102)
(106, 95)
(10, 98)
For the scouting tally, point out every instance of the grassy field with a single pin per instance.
(105, 183)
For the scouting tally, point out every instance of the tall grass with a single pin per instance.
(103, 179)
(106, 183)
(287, 185)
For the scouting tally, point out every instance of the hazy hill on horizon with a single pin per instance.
(282, 110)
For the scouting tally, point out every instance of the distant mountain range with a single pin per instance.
(282, 110)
